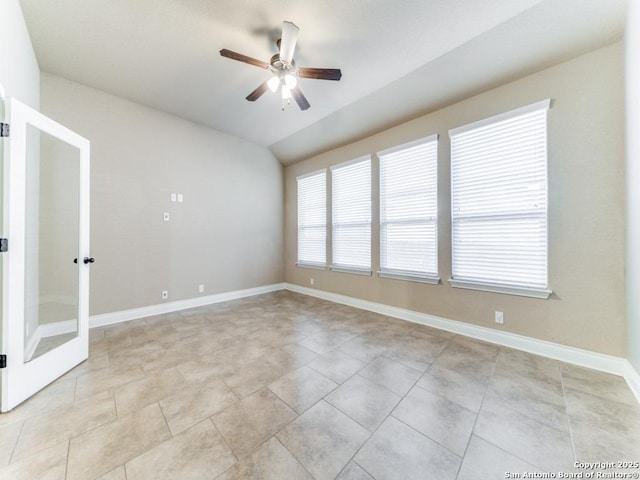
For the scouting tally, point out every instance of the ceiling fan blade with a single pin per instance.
(301, 100)
(320, 73)
(243, 58)
(288, 41)
(257, 93)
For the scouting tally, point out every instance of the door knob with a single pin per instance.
(88, 260)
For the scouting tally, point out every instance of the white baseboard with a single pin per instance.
(632, 377)
(58, 328)
(141, 312)
(67, 326)
(47, 330)
(584, 358)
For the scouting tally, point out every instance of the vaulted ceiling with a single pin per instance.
(399, 59)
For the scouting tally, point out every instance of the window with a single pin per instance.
(312, 220)
(499, 203)
(351, 193)
(409, 211)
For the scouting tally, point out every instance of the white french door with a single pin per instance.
(45, 270)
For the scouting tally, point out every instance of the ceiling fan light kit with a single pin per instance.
(284, 70)
(273, 84)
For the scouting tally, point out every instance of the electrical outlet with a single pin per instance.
(311, 281)
(201, 288)
(173, 197)
(165, 294)
(180, 197)
(166, 216)
(499, 318)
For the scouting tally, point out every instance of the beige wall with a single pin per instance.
(586, 210)
(227, 234)
(59, 194)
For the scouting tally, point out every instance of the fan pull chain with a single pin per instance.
(288, 103)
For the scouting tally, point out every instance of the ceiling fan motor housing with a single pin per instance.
(280, 68)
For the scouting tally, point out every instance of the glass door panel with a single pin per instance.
(51, 243)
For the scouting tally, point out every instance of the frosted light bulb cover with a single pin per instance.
(290, 80)
(273, 84)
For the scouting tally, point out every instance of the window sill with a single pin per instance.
(315, 266)
(506, 289)
(352, 270)
(409, 277)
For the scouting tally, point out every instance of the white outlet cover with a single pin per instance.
(165, 294)
(180, 197)
(499, 318)
(166, 216)
(173, 197)
(201, 288)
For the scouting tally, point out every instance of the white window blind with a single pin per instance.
(351, 213)
(499, 203)
(409, 210)
(312, 219)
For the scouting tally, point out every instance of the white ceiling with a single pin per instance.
(399, 59)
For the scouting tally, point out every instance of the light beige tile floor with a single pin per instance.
(284, 386)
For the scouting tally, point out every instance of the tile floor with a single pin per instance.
(285, 386)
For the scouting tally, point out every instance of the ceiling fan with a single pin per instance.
(284, 70)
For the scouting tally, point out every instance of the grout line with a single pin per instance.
(528, 461)
(166, 422)
(115, 404)
(371, 434)
(402, 397)
(475, 423)
(346, 379)
(75, 389)
(524, 460)
(15, 445)
(319, 373)
(363, 469)
(461, 457)
(566, 408)
(223, 439)
(356, 421)
(292, 455)
(66, 465)
(292, 407)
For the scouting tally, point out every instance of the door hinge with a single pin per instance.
(4, 129)
(4, 244)
(3, 361)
